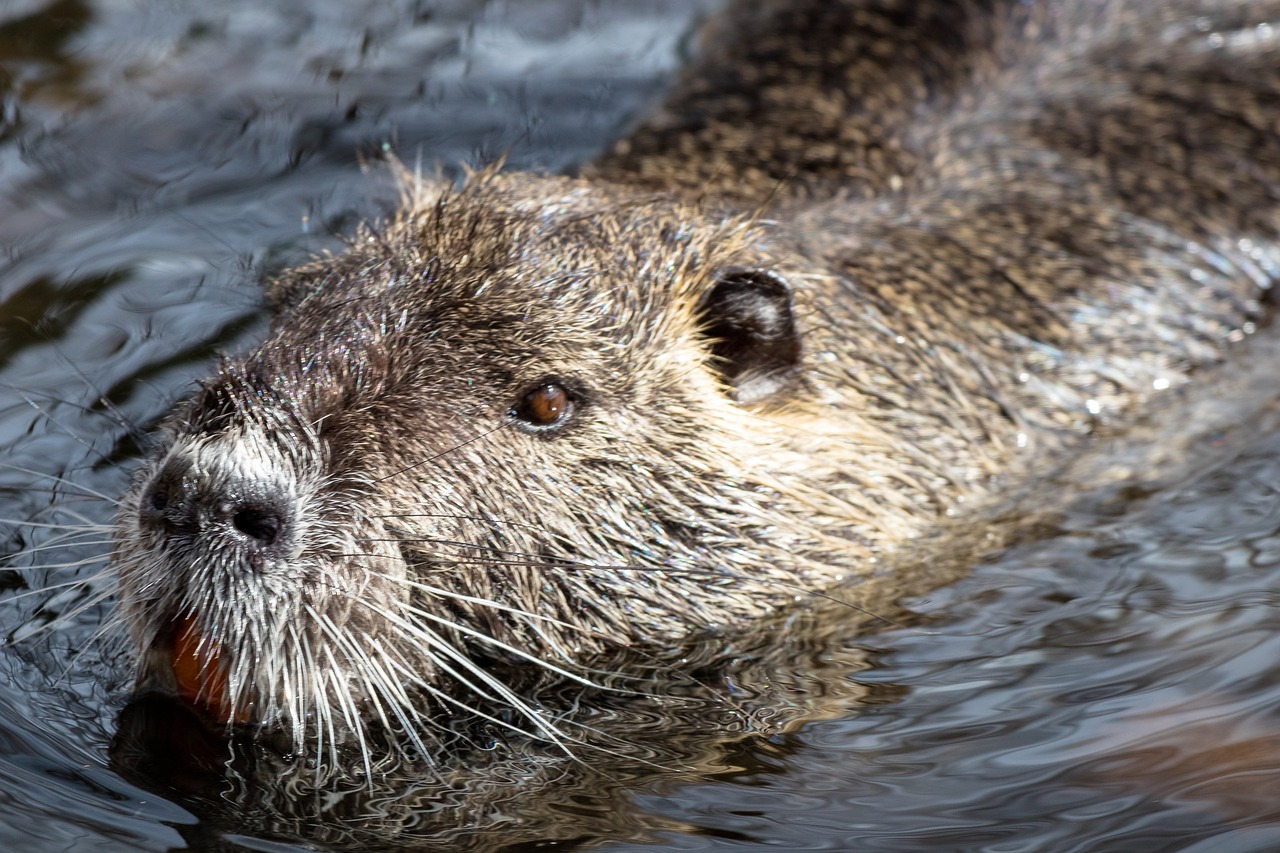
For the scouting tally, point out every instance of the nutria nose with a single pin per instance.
(222, 512)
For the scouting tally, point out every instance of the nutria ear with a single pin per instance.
(748, 318)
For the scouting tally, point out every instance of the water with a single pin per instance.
(1105, 683)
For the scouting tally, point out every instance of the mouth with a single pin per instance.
(187, 663)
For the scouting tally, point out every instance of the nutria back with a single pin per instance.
(871, 262)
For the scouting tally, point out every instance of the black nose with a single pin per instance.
(221, 512)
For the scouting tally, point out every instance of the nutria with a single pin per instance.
(872, 261)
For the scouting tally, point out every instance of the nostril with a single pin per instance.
(156, 501)
(201, 505)
(162, 510)
(258, 523)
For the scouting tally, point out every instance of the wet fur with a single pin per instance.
(1025, 221)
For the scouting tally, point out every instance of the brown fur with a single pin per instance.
(971, 231)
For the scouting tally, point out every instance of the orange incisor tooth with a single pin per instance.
(200, 674)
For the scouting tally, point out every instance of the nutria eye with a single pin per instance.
(544, 406)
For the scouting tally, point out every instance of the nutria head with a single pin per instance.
(526, 424)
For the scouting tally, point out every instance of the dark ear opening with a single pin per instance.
(749, 320)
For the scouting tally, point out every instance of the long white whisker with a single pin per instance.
(360, 662)
(482, 602)
(558, 738)
(485, 638)
(496, 522)
(345, 702)
(504, 693)
(69, 565)
(399, 701)
(83, 489)
(321, 704)
(83, 524)
(73, 583)
(96, 637)
(292, 679)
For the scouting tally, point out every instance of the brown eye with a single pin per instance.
(544, 406)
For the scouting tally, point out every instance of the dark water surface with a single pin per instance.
(1106, 684)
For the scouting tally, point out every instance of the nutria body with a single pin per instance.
(871, 261)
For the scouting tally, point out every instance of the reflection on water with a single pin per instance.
(1107, 683)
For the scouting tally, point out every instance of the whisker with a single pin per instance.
(488, 519)
(484, 638)
(482, 602)
(62, 480)
(563, 718)
(293, 689)
(113, 624)
(554, 735)
(74, 583)
(348, 706)
(502, 691)
(400, 702)
(62, 546)
(321, 704)
(119, 420)
(565, 563)
(441, 454)
(360, 661)
(82, 524)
